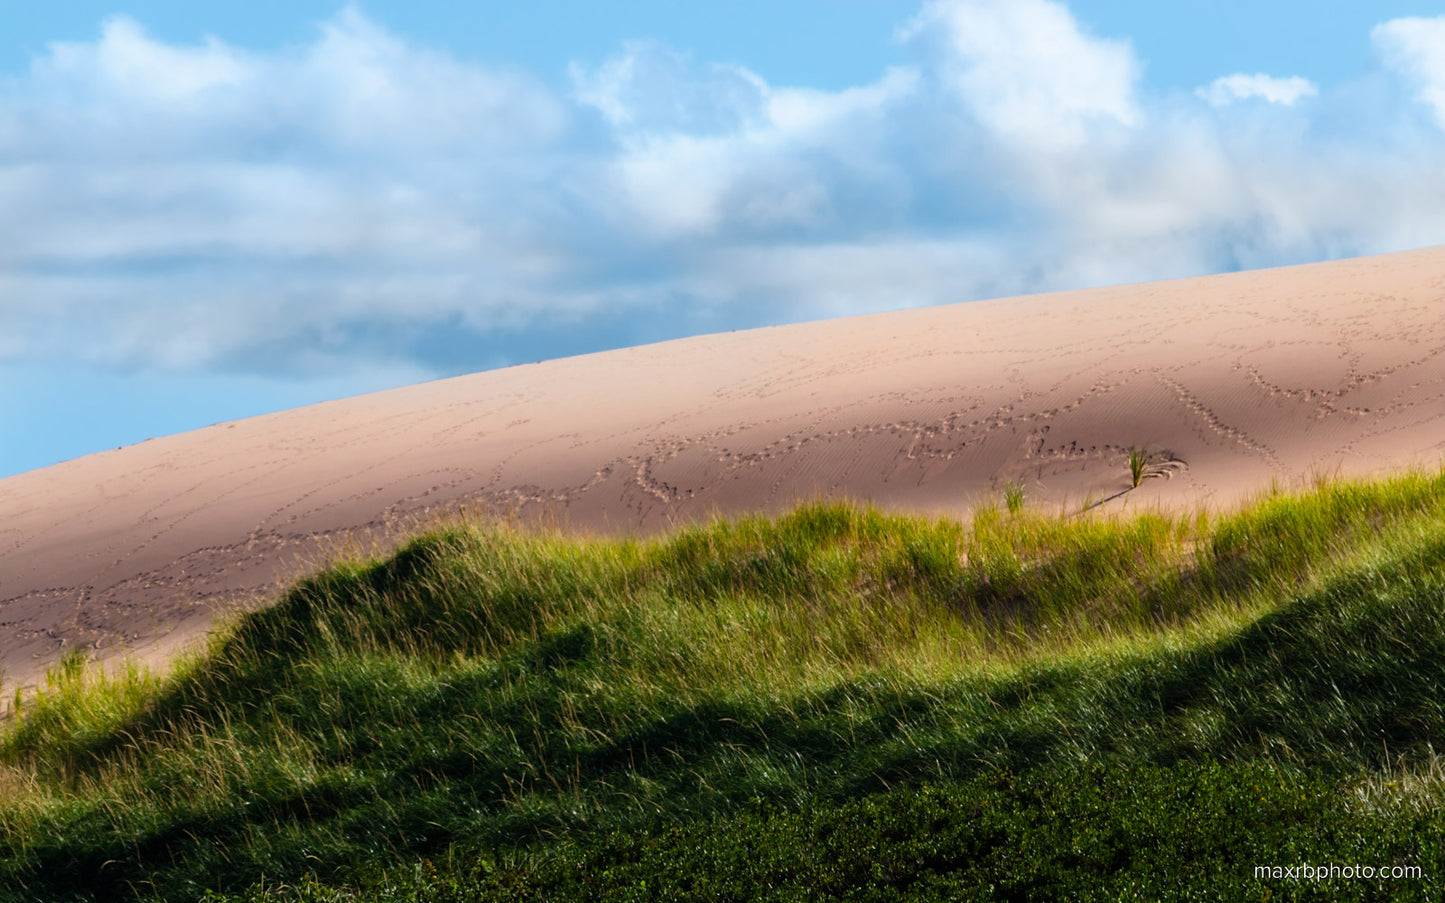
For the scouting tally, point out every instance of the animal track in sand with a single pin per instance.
(1217, 426)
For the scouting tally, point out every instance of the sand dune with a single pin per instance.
(1229, 381)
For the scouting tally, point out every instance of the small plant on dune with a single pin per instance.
(1321, 477)
(1138, 464)
(1013, 496)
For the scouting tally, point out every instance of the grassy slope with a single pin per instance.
(551, 715)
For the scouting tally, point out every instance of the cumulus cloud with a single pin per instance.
(652, 88)
(717, 150)
(364, 201)
(1228, 89)
(1026, 69)
(125, 66)
(1415, 47)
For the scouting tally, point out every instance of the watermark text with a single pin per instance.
(1309, 872)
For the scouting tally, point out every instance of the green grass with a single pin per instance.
(1013, 494)
(1138, 464)
(493, 713)
(1147, 833)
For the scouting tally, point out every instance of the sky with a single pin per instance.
(211, 211)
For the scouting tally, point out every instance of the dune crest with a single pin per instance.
(1226, 381)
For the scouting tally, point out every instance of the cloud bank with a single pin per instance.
(364, 201)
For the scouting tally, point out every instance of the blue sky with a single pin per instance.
(210, 211)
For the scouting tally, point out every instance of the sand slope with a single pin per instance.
(1229, 380)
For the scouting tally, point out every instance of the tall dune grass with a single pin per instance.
(489, 687)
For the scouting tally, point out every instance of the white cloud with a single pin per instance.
(704, 149)
(1415, 47)
(800, 110)
(1026, 68)
(126, 66)
(653, 88)
(1228, 89)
